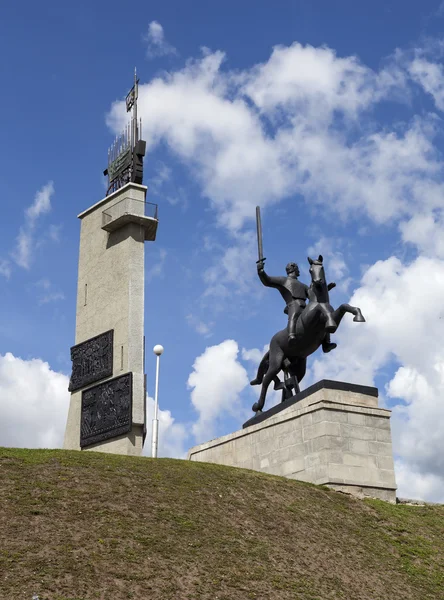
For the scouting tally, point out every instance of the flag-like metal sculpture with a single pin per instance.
(125, 155)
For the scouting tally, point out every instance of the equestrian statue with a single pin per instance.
(309, 325)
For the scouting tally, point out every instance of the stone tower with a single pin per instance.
(107, 411)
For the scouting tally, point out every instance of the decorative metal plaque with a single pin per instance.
(106, 410)
(92, 360)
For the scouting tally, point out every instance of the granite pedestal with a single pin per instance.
(332, 433)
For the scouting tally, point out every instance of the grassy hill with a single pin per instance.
(81, 526)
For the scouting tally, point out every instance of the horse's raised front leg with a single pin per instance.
(330, 322)
(347, 308)
(275, 363)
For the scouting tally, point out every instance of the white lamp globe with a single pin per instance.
(158, 349)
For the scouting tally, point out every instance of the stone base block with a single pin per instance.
(335, 435)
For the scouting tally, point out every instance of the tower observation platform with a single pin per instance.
(130, 210)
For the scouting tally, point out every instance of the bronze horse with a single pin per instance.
(317, 318)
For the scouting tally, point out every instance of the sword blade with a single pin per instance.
(260, 250)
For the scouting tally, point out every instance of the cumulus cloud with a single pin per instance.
(216, 382)
(173, 436)
(157, 45)
(315, 81)
(254, 355)
(417, 485)
(425, 230)
(272, 131)
(34, 403)
(25, 240)
(405, 323)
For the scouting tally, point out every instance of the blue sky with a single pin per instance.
(328, 115)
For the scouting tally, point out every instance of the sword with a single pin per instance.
(260, 249)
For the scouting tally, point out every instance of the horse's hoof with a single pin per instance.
(359, 319)
(331, 328)
(255, 381)
(328, 347)
(255, 407)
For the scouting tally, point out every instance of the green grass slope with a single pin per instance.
(82, 526)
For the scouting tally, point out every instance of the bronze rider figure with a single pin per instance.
(295, 294)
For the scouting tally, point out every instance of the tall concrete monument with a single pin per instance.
(107, 411)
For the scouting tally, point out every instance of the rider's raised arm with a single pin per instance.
(270, 281)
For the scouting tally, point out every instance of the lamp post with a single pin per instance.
(158, 349)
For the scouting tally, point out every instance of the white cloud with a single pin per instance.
(26, 237)
(33, 403)
(54, 233)
(162, 176)
(163, 184)
(402, 304)
(270, 132)
(431, 77)
(216, 382)
(199, 325)
(314, 81)
(5, 268)
(157, 45)
(254, 355)
(41, 204)
(156, 270)
(336, 267)
(47, 292)
(231, 271)
(426, 231)
(413, 484)
(173, 437)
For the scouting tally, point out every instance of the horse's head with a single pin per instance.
(317, 271)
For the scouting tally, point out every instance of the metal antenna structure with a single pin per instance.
(125, 155)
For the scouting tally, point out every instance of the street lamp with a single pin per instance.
(158, 349)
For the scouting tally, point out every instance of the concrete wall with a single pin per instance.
(333, 437)
(110, 295)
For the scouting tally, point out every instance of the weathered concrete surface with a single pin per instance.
(110, 295)
(332, 437)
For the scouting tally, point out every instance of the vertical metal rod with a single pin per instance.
(155, 439)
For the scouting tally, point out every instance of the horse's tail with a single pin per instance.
(262, 369)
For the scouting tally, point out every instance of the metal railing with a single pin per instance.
(129, 206)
